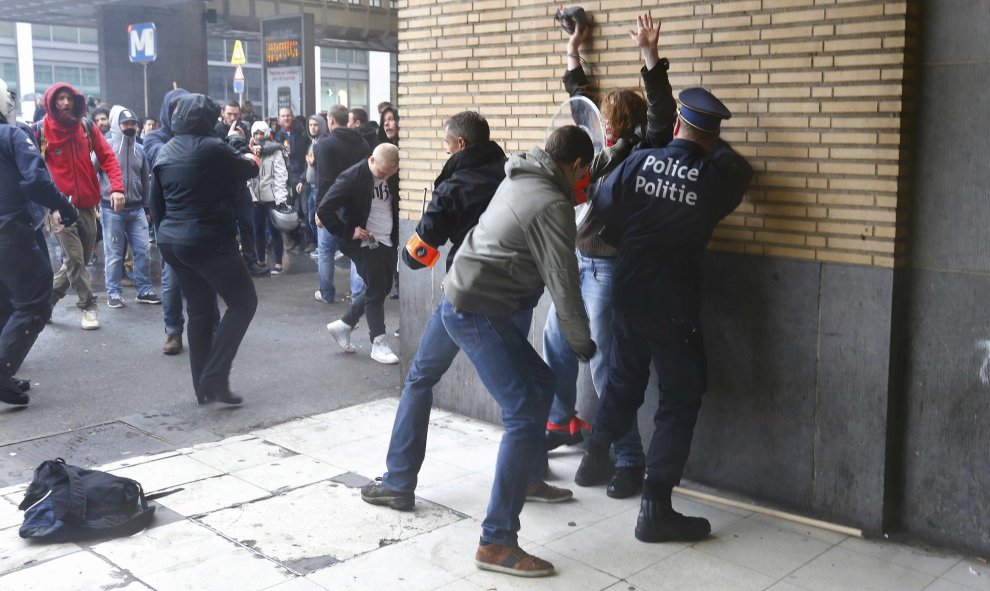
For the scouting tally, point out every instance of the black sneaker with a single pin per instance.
(377, 494)
(11, 393)
(148, 298)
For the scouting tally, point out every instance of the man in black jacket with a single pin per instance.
(361, 209)
(26, 189)
(338, 151)
(357, 118)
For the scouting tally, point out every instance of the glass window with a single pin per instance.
(252, 88)
(7, 30)
(67, 74)
(345, 56)
(90, 77)
(87, 35)
(252, 49)
(328, 55)
(41, 32)
(360, 57)
(9, 72)
(358, 92)
(215, 50)
(43, 77)
(65, 34)
(219, 82)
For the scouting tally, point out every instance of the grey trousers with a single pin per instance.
(77, 241)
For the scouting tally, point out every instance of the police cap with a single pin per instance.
(700, 109)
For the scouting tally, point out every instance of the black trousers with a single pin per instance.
(245, 226)
(376, 266)
(25, 294)
(675, 347)
(203, 274)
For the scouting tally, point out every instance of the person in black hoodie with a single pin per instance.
(361, 209)
(194, 193)
(461, 194)
(357, 118)
(337, 152)
(388, 127)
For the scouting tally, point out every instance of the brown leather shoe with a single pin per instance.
(173, 344)
(511, 560)
(541, 492)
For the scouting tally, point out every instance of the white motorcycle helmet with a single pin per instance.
(284, 217)
(6, 102)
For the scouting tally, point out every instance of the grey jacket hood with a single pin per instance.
(537, 162)
(133, 168)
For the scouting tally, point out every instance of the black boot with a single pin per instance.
(596, 467)
(23, 385)
(11, 393)
(658, 522)
(626, 482)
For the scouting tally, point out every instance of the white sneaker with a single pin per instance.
(341, 333)
(318, 296)
(381, 352)
(90, 321)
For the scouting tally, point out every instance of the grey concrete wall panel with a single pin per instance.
(947, 443)
(755, 430)
(955, 30)
(180, 46)
(953, 179)
(852, 399)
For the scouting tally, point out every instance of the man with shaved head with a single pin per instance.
(361, 209)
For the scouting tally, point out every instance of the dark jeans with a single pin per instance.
(245, 226)
(262, 220)
(25, 291)
(204, 273)
(675, 347)
(376, 266)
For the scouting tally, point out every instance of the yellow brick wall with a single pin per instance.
(816, 88)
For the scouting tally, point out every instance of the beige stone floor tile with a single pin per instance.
(17, 553)
(759, 546)
(841, 568)
(391, 567)
(971, 573)
(325, 522)
(167, 473)
(314, 439)
(690, 570)
(73, 572)
(288, 473)
(297, 584)
(10, 515)
(468, 495)
(164, 548)
(931, 562)
(212, 494)
(239, 454)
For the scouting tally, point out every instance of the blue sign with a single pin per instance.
(141, 38)
(238, 86)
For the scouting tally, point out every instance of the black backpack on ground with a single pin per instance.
(66, 503)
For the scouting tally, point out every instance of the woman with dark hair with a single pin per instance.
(388, 126)
(630, 122)
(198, 179)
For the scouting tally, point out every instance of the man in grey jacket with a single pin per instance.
(523, 242)
(124, 221)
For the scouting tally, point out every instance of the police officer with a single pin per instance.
(25, 271)
(668, 201)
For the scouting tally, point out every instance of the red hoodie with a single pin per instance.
(67, 151)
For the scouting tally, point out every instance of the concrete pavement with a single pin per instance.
(279, 509)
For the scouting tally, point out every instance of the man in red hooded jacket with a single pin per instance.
(67, 145)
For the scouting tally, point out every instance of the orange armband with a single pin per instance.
(422, 252)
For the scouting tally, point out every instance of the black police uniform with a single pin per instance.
(25, 271)
(668, 201)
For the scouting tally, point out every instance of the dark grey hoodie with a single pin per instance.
(133, 166)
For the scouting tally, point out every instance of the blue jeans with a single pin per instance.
(128, 226)
(357, 284)
(596, 290)
(310, 212)
(522, 385)
(407, 448)
(326, 247)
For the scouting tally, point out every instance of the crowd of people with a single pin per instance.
(217, 183)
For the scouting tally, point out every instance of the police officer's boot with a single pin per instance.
(596, 467)
(658, 522)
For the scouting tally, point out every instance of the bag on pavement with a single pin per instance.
(65, 503)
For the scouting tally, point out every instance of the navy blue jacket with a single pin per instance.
(198, 179)
(668, 202)
(461, 193)
(347, 205)
(335, 153)
(24, 179)
(154, 141)
(296, 141)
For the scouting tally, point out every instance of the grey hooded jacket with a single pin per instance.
(133, 165)
(523, 242)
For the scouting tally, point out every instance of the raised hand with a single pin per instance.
(646, 36)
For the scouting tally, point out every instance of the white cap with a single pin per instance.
(260, 126)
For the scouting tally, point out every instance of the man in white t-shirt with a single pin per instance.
(361, 209)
